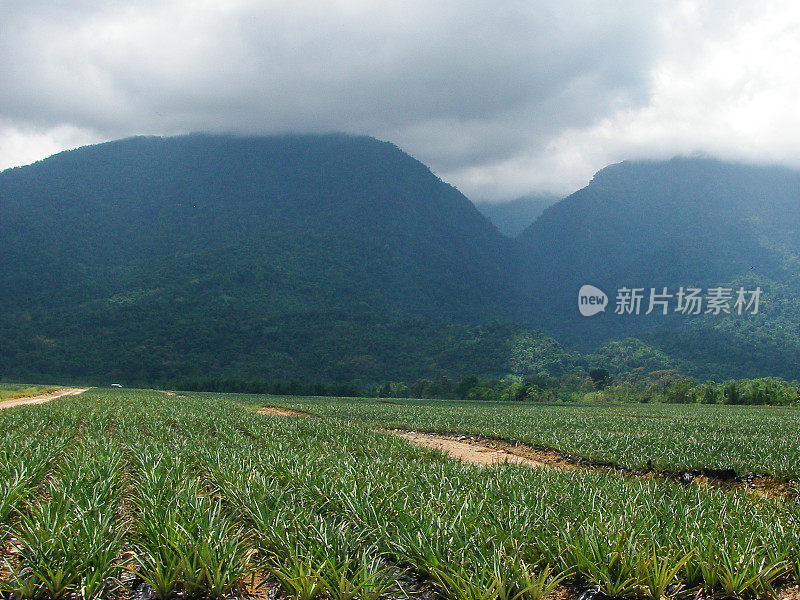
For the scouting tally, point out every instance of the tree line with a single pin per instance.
(596, 385)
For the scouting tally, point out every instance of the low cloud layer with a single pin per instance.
(500, 99)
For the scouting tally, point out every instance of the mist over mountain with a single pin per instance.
(512, 217)
(339, 258)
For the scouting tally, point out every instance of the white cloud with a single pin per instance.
(725, 84)
(24, 146)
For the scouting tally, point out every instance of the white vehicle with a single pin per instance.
(116, 385)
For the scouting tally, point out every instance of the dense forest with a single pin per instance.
(342, 260)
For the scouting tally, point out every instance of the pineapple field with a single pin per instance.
(146, 494)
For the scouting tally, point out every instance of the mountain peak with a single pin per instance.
(225, 237)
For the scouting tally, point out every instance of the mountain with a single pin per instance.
(315, 256)
(512, 217)
(340, 258)
(684, 222)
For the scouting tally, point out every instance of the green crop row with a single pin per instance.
(64, 530)
(30, 443)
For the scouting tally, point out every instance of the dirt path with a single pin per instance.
(487, 452)
(467, 449)
(41, 399)
(279, 411)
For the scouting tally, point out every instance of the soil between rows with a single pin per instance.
(468, 450)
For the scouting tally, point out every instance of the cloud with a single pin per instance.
(723, 84)
(24, 146)
(498, 98)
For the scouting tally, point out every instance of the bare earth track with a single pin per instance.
(487, 452)
(467, 449)
(42, 398)
(279, 411)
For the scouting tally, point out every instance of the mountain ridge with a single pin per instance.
(341, 257)
(200, 235)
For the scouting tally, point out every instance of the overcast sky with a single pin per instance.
(499, 98)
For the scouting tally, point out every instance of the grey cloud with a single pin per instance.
(456, 84)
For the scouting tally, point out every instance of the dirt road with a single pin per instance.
(487, 453)
(279, 411)
(41, 399)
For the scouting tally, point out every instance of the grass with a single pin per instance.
(194, 495)
(10, 391)
(675, 438)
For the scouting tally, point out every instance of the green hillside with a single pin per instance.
(339, 258)
(299, 256)
(684, 222)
